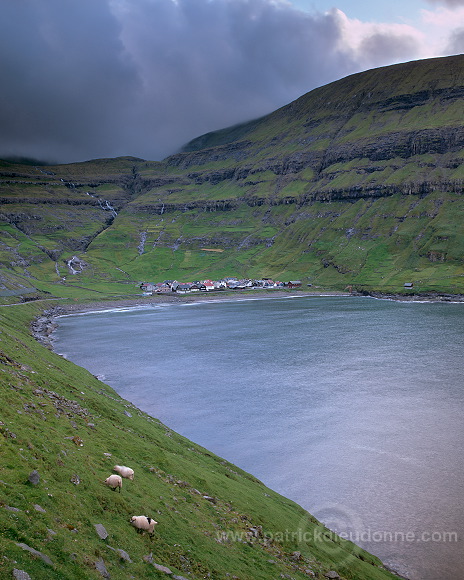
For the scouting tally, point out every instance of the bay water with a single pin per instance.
(352, 407)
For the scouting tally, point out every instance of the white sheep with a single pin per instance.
(114, 481)
(143, 524)
(124, 471)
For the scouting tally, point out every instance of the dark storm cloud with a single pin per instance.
(65, 80)
(84, 79)
(207, 65)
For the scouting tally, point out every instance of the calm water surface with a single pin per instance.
(352, 407)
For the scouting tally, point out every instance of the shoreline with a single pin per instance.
(235, 295)
(412, 297)
(220, 296)
(44, 325)
(230, 295)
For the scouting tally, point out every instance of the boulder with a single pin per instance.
(100, 566)
(163, 569)
(101, 531)
(21, 575)
(123, 555)
(34, 552)
(34, 477)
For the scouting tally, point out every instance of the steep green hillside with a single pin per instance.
(358, 183)
(59, 421)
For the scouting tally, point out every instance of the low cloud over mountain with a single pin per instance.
(99, 79)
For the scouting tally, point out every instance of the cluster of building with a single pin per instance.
(149, 289)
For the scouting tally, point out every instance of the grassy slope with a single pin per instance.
(46, 401)
(377, 244)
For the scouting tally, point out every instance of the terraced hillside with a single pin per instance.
(358, 183)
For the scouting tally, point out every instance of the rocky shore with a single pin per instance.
(43, 326)
(418, 297)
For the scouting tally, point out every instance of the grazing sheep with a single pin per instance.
(143, 524)
(124, 471)
(114, 481)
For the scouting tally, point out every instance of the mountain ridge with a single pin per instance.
(356, 183)
(345, 86)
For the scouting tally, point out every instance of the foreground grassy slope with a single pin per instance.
(58, 419)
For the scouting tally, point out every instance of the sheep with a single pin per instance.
(124, 471)
(114, 481)
(143, 524)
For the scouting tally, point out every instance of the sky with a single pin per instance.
(85, 79)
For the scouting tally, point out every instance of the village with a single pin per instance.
(229, 283)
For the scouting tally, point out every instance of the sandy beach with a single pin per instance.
(98, 305)
(77, 307)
